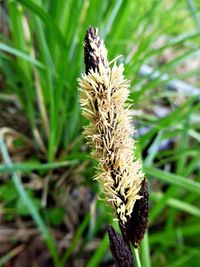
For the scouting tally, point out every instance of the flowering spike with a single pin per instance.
(95, 52)
(103, 95)
(135, 228)
(120, 249)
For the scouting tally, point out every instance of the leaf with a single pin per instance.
(171, 178)
(8, 192)
(56, 215)
(21, 207)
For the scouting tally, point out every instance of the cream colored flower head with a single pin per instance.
(103, 95)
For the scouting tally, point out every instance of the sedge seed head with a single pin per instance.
(103, 95)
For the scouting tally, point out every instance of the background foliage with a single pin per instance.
(46, 175)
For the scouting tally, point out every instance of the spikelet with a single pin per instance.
(103, 95)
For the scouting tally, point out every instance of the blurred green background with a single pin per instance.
(50, 212)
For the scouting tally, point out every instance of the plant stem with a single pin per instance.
(145, 252)
(137, 258)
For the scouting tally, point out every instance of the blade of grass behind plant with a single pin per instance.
(175, 117)
(47, 90)
(175, 203)
(188, 230)
(181, 161)
(100, 251)
(194, 12)
(46, 18)
(38, 11)
(167, 66)
(27, 167)
(145, 251)
(178, 180)
(161, 205)
(181, 261)
(111, 16)
(16, 52)
(75, 240)
(16, 20)
(28, 202)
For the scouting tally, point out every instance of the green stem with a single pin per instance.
(145, 251)
(137, 258)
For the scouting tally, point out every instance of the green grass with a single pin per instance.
(40, 61)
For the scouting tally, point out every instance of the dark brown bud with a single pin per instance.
(94, 51)
(120, 249)
(137, 224)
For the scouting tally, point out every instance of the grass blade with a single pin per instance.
(19, 53)
(98, 255)
(27, 167)
(75, 240)
(178, 180)
(36, 216)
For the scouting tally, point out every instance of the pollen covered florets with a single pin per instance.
(103, 95)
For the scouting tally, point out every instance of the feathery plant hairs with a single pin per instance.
(103, 95)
